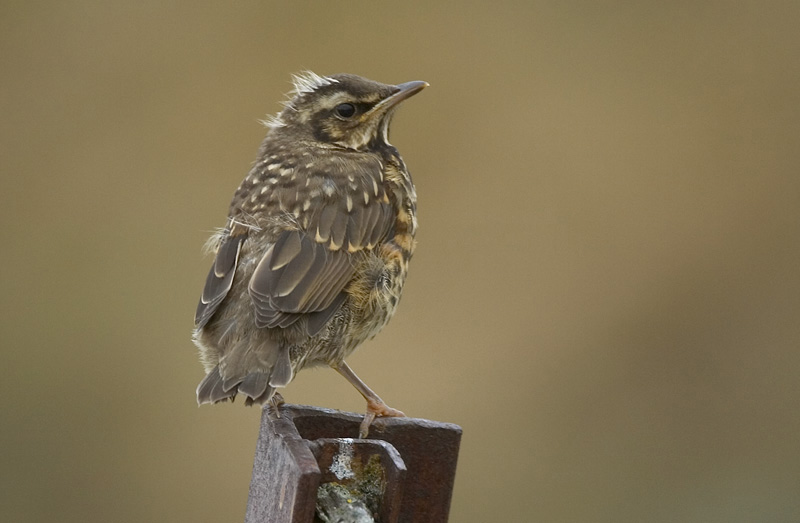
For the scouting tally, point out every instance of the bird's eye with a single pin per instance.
(345, 110)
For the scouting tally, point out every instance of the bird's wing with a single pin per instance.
(220, 277)
(304, 273)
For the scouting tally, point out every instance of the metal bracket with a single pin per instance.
(307, 462)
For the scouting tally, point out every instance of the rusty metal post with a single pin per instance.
(307, 461)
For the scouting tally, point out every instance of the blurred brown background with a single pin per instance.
(606, 294)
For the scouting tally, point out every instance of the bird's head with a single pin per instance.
(341, 110)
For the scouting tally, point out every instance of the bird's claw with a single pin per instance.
(377, 409)
(274, 404)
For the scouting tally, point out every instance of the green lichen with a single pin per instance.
(354, 498)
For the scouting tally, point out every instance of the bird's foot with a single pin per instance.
(273, 405)
(376, 408)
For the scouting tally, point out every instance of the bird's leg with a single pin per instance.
(375, 405)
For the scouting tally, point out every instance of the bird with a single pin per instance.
(314, 255)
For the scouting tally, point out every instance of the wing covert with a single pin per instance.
(305, 273)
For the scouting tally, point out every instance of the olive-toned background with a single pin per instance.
(606, 293)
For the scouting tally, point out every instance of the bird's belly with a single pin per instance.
(375, 295)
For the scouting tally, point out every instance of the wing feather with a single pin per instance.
(220, 277)
(287, 278)
(382, 225)
(304, 273)
(325, 222)
(338, 230)
(356, 227)
(285, 250)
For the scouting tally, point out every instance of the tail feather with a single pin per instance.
(282, 372)
(254, 373)
(230, 383)
(260, 400)
(212, 390)
(254, 385)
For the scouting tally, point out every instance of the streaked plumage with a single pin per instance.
(315, 252)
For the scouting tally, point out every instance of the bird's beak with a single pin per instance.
(404, 91)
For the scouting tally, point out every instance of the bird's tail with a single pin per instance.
(214, 389)
(258, 386)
